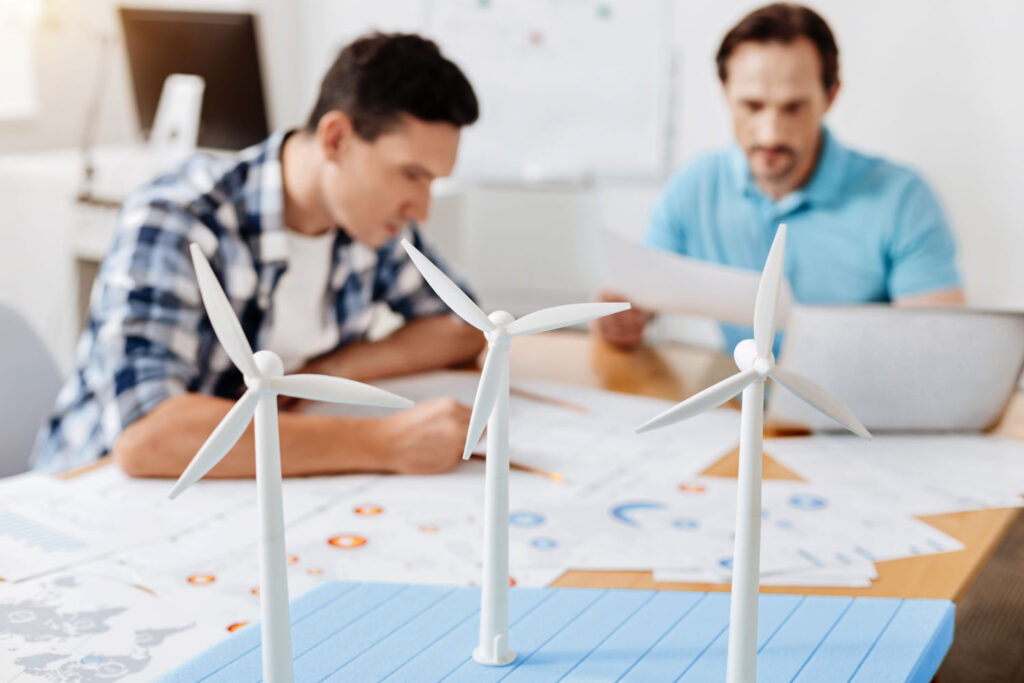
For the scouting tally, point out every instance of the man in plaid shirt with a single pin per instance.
(302, 231)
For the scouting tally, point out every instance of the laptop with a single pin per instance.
(902, 369)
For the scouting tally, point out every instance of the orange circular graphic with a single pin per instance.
(346, 541)
(201, 579)
(292, 559)
(255, 591)
(428, 528)
(692, 488)
(237, 625)
(511, 581)
(369, 510)
(314, 571)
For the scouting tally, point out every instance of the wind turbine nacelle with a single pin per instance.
(269, 363)
(270, 366)
(501, 318)
(746, 358)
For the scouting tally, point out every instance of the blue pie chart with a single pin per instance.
(625, 511)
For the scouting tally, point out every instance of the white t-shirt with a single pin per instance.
(302, 327)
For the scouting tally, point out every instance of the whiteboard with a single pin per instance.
(569, 90)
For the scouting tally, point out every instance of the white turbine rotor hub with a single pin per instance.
(501, 319)
(745, 354)
(746, 358)
(269, 363)
(270, 366)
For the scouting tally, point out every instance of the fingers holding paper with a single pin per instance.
(623, 330)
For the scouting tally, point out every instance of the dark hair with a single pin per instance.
(379, 77)
(783, 23)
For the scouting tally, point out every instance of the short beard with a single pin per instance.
(781, 175)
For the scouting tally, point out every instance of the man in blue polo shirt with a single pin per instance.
(860, 228)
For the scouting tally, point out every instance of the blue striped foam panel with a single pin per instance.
(399, 632)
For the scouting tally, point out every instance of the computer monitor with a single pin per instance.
(218, 46)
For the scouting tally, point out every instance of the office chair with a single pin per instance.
(29, 382)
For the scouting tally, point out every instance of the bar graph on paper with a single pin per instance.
(35, 536)
(48, 524)
(29, 547)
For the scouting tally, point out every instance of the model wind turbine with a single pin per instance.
(490, 409)
(264, 377)
(756, 363)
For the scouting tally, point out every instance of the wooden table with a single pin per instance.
(673, 373)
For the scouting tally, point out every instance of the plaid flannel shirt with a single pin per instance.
(148, 337)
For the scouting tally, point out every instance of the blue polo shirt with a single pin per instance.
(861, 230)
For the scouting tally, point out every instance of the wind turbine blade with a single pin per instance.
(336, 390)
(449, 292)
(712, 397)
(820, 399)
(562, 316)
(222, 316)
(219, 442)
(486, 395)
(768, 295)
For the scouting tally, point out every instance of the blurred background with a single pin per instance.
(587, 107)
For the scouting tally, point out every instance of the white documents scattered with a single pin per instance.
(65, 523)
(156, 579)
(913, 474)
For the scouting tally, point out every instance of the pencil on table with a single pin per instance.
(550, 400)
(553, 476)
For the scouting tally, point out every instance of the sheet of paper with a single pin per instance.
(663, 281)
(834, 527)
(29, 486)
(585, 436)
(693, 522)
(806, 527)
(92, 625)
(234, 532)
(685, 449)
(95, 514)
(918, 475)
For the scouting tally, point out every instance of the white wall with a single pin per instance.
(68, 52)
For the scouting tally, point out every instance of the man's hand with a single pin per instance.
(426, 439)
(624, 330)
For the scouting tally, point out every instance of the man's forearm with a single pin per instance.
(162, 443)
(425, 344)
(942, 297)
